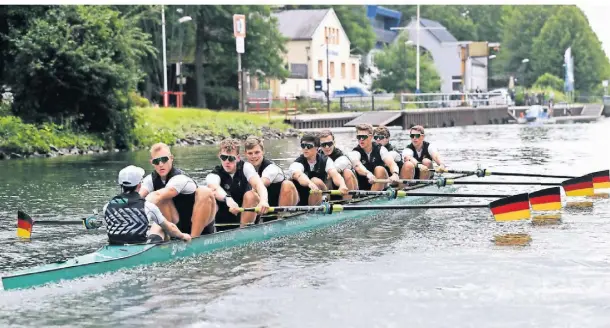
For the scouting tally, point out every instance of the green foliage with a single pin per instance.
(17, 136)
(548, 80)
(78, 62)
(138, 101)
(521, 25)
(568, 27)
(168, 124)
(397, 71)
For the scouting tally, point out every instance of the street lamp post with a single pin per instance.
(327, 77)
(165, 94)
(524, 61)
(183, 19)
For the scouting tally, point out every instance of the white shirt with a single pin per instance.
(296, 166)
(274, 173)
(151, 210)
(181, 183)
(407, 152)
(248, 169)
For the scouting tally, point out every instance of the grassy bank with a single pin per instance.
(22, 138)
(152, 125)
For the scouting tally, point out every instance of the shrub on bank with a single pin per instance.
(19, 137)
(152, 125)
(168, 124)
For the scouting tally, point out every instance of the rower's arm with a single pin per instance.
(436, 156)
(272, 174)
(336, 177)
(407, 156)
(213, 182)
(154, 215)
(388, 159)
(256, 182)
(296, 173)
(354, 157)
(162, 194)
(146, 186)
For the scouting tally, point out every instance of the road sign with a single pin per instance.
(239, 26)
(240, 45)
(605, 83)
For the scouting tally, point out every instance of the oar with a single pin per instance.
(25, 223)
(485, 172)
(402, 193)
(442, 182)
(326, 208)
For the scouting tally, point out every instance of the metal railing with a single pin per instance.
(452, 100)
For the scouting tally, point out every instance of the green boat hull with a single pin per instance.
(113, 258)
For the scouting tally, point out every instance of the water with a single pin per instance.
(433, 268)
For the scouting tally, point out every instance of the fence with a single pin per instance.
(285, 105)
(453, 100)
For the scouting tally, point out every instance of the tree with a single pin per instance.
(78, 62)
(568, 27)
(521, 25)
(548, 80)
(397, 71)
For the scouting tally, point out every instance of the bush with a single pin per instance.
(548, 80)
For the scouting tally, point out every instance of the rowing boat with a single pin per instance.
(111, 258)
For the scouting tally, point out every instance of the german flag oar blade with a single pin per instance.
(548, 199)
(511, 208)
(601, 179)
(24, 225)
(581, 186)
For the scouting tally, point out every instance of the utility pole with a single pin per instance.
(165, 94)
(327, 78)
(418, 28)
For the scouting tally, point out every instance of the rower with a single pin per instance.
(310, 171)
(381, 135)
(236, 183)
(342, 162)
(281, 191)
(418, 156)
(369, 160)
(190, 207)
(127, 215)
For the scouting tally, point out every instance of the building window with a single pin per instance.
(353, 71)
(320, 68)
(343, 70)
(332, 70)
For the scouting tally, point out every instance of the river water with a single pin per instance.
(434, 268)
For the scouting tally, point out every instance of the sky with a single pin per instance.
(598, 15)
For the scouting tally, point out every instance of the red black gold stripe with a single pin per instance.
(548, 199)
(601, 179)
(511, 208)
(24, 225)
(581, 186)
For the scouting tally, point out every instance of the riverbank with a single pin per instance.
(173, 126)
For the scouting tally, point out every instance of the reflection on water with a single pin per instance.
(393, 269)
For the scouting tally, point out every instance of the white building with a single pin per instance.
(306, 56)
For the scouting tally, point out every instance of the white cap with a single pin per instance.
(131, 176)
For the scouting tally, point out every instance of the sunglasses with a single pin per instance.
(379, 137)
(415, 136)
(231, 158)
(158, 160)
(327, 144)
(362, 136)
(307, 145)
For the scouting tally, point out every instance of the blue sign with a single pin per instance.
(317, 85)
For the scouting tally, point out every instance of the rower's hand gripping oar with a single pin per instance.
(25, 223)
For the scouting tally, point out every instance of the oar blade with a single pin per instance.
(511, 208)
(548, 199)
(580, 186)
(24, 225)
(601, 179)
